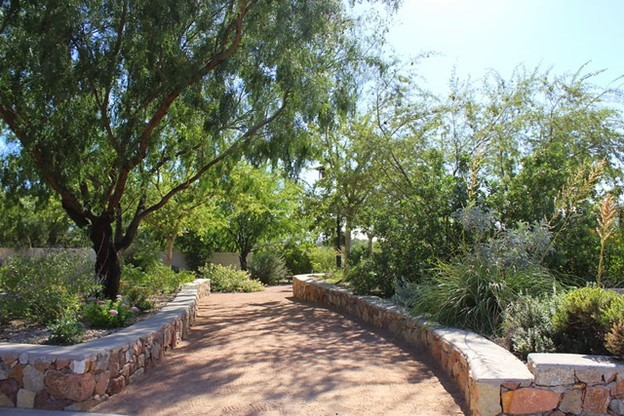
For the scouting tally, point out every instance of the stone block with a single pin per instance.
(23, 358)
(76, 387)
(136, 375)
(619, 385)
(17, 373)
(589, 376)
(9, 388)
(554, 376)
(26, 399)
(617, 406)
(101, 382)
(529, 400)
(5, 401)
(44, 401)
(78, 366)
(60, 364)
(596, 400)
(102, 361)
(485, 399)
(572, 401)
(33, 379)
(116, 384)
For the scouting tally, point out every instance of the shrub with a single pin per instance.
(583, 319)
(108, 313)
(297, 257)
(43, 288)
(158, 278)
(368, 278)
(229, 279)
(66, 331)
(527, 325)
(269, 267)
(323, 259)
(614, 340)
(140, 299)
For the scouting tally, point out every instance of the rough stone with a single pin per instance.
(101, 382)
(78, 366)
(572, 401)
(596, 400)
(5, 401)
(23, 358)
(26, 399)
(113, 365)
(102, 361)
(17, 373)
(82, 406)
(116, 384)
(529, 400)
(4, 372)
(125, 371)
(33, 379)
(589, 376)
(9, 388)
(553, 376)
(617, 406)
(511, 385)
(44, 401)
(60, 364)
(557, 413)
(9, 359)
(141, 360)
(619, 385)
(136, 375)
(76, 387)
(485, 399)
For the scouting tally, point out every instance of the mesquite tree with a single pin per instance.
(101, 96)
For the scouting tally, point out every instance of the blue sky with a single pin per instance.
(477, 35)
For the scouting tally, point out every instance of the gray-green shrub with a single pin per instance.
(229, 279)
(268, 267)
(42, 288)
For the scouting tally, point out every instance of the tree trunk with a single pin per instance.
(338, 243)
(347, 243)
(169, 243)
(242, 257)
(107, 267)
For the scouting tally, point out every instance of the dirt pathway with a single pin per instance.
(265, 354)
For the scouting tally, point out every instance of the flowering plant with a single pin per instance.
(108, 313)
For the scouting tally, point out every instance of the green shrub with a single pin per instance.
(43, 288)
(368, 278)
(66, 331)
(472, 293)
(528, 325)
(323, 259)
(614, 340)
(268, 267)
(583, 319)
(158, 278)
(140, 299)
(229, 279)
(108, 313)
(297, 256)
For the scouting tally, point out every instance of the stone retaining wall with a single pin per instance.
(78, 377)
(493, 380)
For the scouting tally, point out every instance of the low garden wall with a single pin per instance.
(78, 377)
(493, 381)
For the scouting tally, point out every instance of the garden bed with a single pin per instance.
(78, 377)
(493, 380)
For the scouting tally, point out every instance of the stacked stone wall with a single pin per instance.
(79, 377)
(494, 382)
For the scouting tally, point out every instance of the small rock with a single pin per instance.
(116, 384)
(5, 401)
(44, 401)
(136, 375)
(589, 376)
(529, 400)
(23, 358)
(572, 401)
(101, 382)
(33, 379)
(9, 388)
(76, 387)
(596, 400)
(60, 364)
(25, 399)
(617, 406)
(78, 366)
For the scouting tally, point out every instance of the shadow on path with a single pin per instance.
(265, 354)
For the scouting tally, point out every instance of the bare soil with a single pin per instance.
(265, 354)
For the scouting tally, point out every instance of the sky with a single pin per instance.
(475, 36)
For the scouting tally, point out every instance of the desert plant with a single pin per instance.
(614, 340)
(43, 288)
(229, 279)
(368, 277)
(605, 230)
(583, 319)
(66, 331)
(157, 278)
(527, 325)
(268, 267)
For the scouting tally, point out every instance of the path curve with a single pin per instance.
(266, 354)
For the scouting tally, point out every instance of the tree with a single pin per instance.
(259, 207)
(102, 95)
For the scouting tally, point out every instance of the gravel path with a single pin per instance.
(265, 354)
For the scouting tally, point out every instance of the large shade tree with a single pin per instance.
(101, 95)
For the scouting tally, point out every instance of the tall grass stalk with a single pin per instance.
(605, 230)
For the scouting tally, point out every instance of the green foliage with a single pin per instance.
(584, 317)
(476, 287)
(229, 279)
(140, 299)
(107, 313)
(157, 279)
(297, 256)
(269, 267)
(66, 331)
(323, 259)
(144, 252)
(368, 277)
(528, 325)
(43, 288)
